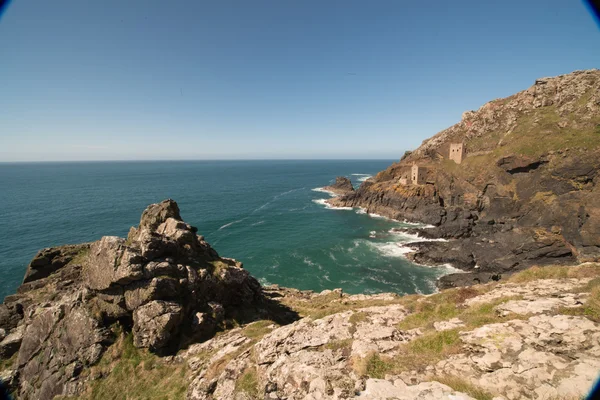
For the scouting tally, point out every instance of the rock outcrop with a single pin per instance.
(341, 186)
(164, 283)
(525, 192)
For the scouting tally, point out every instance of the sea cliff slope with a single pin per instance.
(513, 184)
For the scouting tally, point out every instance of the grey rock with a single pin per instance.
(155, 324)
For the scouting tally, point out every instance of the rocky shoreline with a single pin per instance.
(521, 190)
(162, 315)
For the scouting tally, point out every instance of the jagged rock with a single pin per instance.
(514, 164)
(49, 260)
(12, 342)
(156, 214)
(156, 323)
(165, 280)
(341, 186)
(382, 389)
(10, 315)
(111, 262)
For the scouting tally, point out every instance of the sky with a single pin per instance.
(131, 80)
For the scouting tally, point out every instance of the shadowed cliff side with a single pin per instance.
(524, 191)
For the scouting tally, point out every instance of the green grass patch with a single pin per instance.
(590, 309)
(322, 306)
(8, 363)
(131, 373)
(343, 344)
(414, 355)
(247, 383)
(591, 270)
(376, 367)
(258, 329)
(461, 385)
(81, 257)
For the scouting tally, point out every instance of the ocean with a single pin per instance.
(268, 214)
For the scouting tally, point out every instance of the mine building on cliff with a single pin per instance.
(457, 152)
(417, 175)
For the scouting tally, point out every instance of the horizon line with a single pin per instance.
(194, 159)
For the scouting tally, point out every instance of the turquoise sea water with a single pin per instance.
(263, 213)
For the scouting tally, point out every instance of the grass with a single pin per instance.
(131, 373)
(425, 311)
(343, 344)
(8, 363)
(591, 270)
(591, 308)
(81, 257)
(247, 383)
(414, 355)
(322, 306)
(257, 330)
(461, 385)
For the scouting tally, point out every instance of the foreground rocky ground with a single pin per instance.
(162, 316)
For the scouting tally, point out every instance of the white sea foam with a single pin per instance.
(412, 238)
(264, 282)
(373, 215)
(361, 210)
(258, 223)
(361, 174)
(449, 269)
(391, 249)
(363, 178)
(310, 263)
(372, 234)
(231, 223)
(323, 190)
(274, 198)
(323, 202)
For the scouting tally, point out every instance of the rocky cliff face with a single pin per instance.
(163, 283)
(525, 192)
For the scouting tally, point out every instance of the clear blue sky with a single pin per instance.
(82, 80)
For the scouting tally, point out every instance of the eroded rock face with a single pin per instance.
(164, 280)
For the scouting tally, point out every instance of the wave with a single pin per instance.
(361, 210)
(323, 202)
(323, 190)
(364, 178)
(264, 282)
(231, 223)
(310, 263)
(258, 223)
(361, 174)
(391, 249)
(274, 198)
(413, 238)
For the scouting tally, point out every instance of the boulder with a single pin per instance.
(341, 186)
(47, 261)
(12, 342)
(155, 324)
(111, 262)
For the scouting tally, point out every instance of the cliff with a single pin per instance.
(162, 315)
(524, 191)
